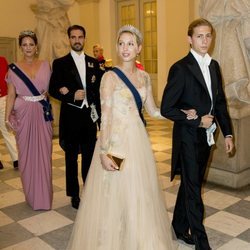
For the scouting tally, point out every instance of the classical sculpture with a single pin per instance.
(52, 24)
(51, 30)
(231, 19)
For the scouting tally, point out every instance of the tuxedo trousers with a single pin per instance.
(189, 208)
(80, 140)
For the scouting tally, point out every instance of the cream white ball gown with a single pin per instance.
(123, 210)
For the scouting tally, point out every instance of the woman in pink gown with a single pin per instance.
(33, 133)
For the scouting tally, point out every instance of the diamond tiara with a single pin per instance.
(27, 33)
(131, 29)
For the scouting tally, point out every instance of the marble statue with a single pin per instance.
(231, 20)
(51, 29)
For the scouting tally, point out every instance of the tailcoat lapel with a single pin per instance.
(214, 81)
(196, 71)
(74, 71)
(90, 78)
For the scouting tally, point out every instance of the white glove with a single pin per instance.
(210, 135)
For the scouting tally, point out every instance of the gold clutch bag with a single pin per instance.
(118, 161)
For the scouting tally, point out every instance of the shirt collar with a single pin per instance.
(76, 56)
(201, 59)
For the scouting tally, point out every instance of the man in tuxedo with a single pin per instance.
(75, 81)
(194, 99)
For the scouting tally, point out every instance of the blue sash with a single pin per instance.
(134, 91)
(47, 109)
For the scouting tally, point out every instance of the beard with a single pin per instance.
(77, 47)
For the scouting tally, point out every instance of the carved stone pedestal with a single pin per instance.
(232, 171)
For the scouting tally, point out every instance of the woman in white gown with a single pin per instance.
(123, 210)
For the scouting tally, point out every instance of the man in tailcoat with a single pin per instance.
(75, 81)
(194, 99)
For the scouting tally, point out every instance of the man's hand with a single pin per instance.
(206, 121)
(64, 90)
(79, 95)
(229, 145)
(191, 113)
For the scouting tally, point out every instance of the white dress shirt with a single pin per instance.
(204, 63)
(81, 67)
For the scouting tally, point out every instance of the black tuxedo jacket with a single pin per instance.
(65, 74)
(186, 89)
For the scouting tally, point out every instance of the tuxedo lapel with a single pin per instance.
(74, 71)
(89, 73)
(214, 81)
(196, 71)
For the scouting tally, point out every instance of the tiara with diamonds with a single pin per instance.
(27, 33)
(131, 29)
